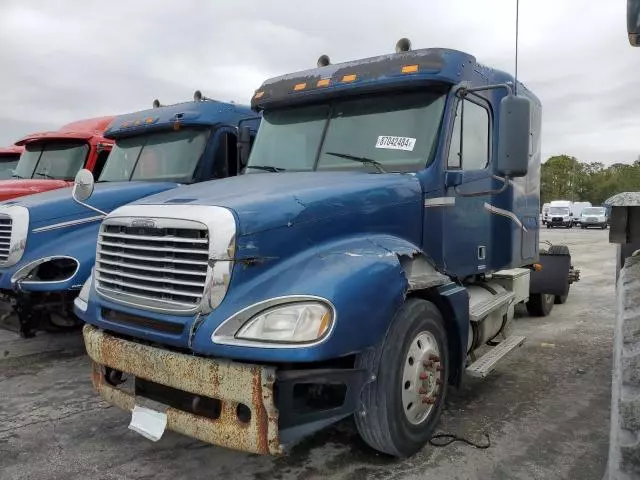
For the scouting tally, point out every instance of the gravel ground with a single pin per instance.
(545, 409)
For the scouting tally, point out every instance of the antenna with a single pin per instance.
(515, 87)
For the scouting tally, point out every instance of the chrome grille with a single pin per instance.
(147, 265)
(6, 225)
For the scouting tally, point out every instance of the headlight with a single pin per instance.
(84, 292)
(294, 323)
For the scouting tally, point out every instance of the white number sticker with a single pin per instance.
(396, 143)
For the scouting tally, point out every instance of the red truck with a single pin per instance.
(50, 160)
(9, 157)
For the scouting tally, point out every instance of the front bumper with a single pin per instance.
(285, 404)
(232, 383)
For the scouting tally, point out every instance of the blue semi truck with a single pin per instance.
(383, 234)
(51, 239)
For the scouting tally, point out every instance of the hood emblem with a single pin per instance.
(143, 223)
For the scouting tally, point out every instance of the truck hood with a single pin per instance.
(57, 205)
(270, 200)
(20, 187)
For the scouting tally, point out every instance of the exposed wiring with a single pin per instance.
(450, 438)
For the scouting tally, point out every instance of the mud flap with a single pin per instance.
(553, 278)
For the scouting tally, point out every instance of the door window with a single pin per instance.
(470, 147)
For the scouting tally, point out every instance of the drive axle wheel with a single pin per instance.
(401, 407)
(540, 304)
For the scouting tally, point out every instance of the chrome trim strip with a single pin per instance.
(504, 213)
(440, 202)
(24, 271)
(70, 223)
(80, 304)
(226, 331)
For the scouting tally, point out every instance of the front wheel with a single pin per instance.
(401, 407)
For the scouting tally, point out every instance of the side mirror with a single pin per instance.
(633, 22)
(515, 136)
(570, 214)
(83, 185)
(244, 146)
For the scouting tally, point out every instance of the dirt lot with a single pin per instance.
(546, 409)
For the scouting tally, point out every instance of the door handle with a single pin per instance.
(453, 178)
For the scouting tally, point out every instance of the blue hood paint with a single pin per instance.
(56, 206)
(335, 235)
(270, 200)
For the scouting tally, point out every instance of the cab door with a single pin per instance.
(466, 226)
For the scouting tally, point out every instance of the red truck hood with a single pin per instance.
(17, 188)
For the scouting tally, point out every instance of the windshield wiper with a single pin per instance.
(364, 160)
(267, 168)
(45, 175)
(17, 176)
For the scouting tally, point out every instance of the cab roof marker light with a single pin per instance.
(300, 86)
(323, 83)
(349, 78)
(410, 69)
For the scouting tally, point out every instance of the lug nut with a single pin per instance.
(434, 358)
(429, 400)
(422, 391)
(428, 364)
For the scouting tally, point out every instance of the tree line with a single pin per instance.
(563, 177)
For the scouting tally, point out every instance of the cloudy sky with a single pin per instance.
(63, 60)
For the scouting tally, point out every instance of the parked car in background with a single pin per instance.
(594, 217)
(576, 210)
(9, 157)
(560, 217)
(545, 213)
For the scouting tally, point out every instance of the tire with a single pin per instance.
(561, 299)
(583, 227)
(383, 423)
(548, 225)
(540, 304)
(559, 250)
(624, 435)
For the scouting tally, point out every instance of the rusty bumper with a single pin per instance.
(229, 382)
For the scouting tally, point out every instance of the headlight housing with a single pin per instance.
(303, 322)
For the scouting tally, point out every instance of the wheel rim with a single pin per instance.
(548, 298)
(421, 378)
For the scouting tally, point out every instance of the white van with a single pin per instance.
(560, 214)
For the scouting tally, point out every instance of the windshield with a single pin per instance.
(397, 131)
(58, 161)
(7, 165)
(593, 211)
(161, 156)
(559, 210)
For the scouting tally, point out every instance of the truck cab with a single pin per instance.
(50, 160)
(50, 238)
(9, 157)
(384, 231)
